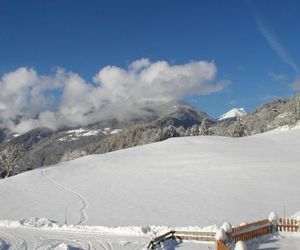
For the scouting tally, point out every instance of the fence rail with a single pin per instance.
(249, 225)
(182, 235)
(161, 238)
(212, 234)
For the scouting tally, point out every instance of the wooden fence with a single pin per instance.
(249, 225)
(288, 225)
(259, 228)
(252, 234)
(247, 232)
(161, 238)
(182, 235)
(221, 246)
(240, 233)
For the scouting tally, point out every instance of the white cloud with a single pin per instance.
(29, 100)
(139, 64)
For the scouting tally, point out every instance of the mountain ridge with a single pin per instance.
(43, 147)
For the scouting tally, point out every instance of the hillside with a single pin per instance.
(137, 186)
(44, 147)
(189, 181)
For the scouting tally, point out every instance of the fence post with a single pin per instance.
(66, 221)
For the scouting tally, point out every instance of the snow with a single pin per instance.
(141, 231)
(284, 128)
(3, 245)
(190, 183)
(273, 217)
(296, 216)
(115, 131)
(61, 246)
(235, 112)
(75, 131)
(285, 241)
(75, 134)
(227, 227)
(91, 133)
(221, 235)
(39, 235)
(240, 245)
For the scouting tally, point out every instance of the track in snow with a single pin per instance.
(12, 242)
(85, 204)
(43, 239)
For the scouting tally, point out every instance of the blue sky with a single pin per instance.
(254, 44)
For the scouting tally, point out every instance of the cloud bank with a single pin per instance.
(29, 100)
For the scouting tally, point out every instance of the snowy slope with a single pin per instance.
(179, 182)
(233, 113)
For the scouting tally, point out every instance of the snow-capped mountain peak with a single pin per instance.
(233, 113)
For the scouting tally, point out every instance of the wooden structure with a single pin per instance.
(182, 235)
(157, 240)
(288, 225)
(221, 246)
(249, 226)
(249, 234)
(239, 233)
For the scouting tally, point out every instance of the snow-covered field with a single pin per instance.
(181, 182)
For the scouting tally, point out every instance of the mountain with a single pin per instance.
(233, 114)
(268, 116)
(2, 135)
(43, 147)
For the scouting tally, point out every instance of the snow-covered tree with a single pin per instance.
(168, 132)
(297, 107)
(239, 129)
(195, 130)
(204, 129)
(181, 131)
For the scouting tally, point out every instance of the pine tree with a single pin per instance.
(169, 132)
(297, 108)
(239, 128)
(195, 130)
(204, 129)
